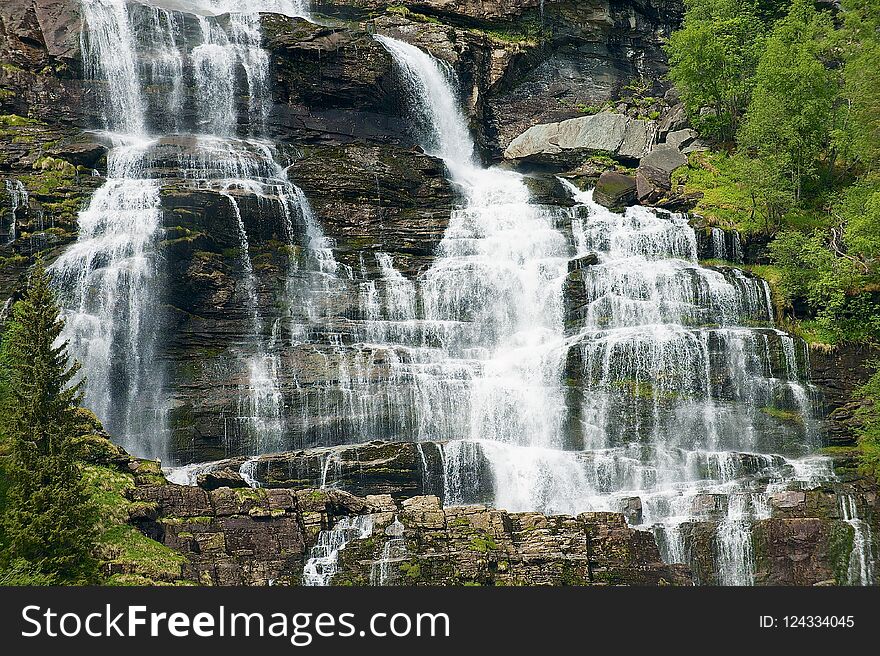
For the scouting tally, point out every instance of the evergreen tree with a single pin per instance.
(49, 521)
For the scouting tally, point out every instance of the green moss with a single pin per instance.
(134, 558)
(400, 10)
(482, 543)
(108, 488)
(840, 545)
(412, 570)
(249, 494)
(177, 521)
(15, 121)
(131, 550)
(814, 333)
(783, 415)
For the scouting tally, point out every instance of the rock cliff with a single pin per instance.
(549, 87)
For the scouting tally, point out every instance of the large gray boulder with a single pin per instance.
(606, 131)
(637, 139)
(654, 175)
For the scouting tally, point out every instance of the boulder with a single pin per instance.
(615, 190)
(604, 131)
(637, 138)
(654, 175)
(214, 480)
(681, 138)
(672, 119)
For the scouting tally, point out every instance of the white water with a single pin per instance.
(110, 281)
(688, 391)
(324, 557)
(394, 552)
(18, 199)
(683, 397)
(861, 560)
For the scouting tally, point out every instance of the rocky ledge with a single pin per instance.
(264, 537)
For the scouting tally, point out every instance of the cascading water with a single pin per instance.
(18, 200)
(394, 552)
(139, 56)
(861, 560)
(324, 558)
(564, 360)
(684, 395)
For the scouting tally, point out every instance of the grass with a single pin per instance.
(726, 202)
(134, 558)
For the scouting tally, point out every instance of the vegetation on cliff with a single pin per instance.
(48, 518)
(62, 490)
(791, 95)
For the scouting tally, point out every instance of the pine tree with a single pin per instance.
(49, 520)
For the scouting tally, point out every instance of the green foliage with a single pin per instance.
(789, 119)
(860, 42)
(712, 61)
(729, 196)
(869, 429)
(48, 520)
(21, 572)
(805, 169)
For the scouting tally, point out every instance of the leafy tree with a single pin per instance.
(792, 108)
(49, 521)
(861, 109)
(712, 61)
(859, 215)
(771, 191)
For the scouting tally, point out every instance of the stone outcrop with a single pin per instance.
(397, 469)
(615, 190)
(263, 537)
(570, 141)
(475, 545)
(372, 198)
(838, 372)
(654, 175)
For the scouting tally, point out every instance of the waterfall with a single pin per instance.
(394, 552)
(18, 199)
(248, 471)
(323, 560)
(860, 570)
(685, 395)
(150, 62)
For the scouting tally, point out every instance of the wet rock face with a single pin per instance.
(48, 25)
(397, 469)
(330, 84)
(801, 551)
(475, 545)
(838, 372)
(263, 537)
(379, 199)
(40, 110)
